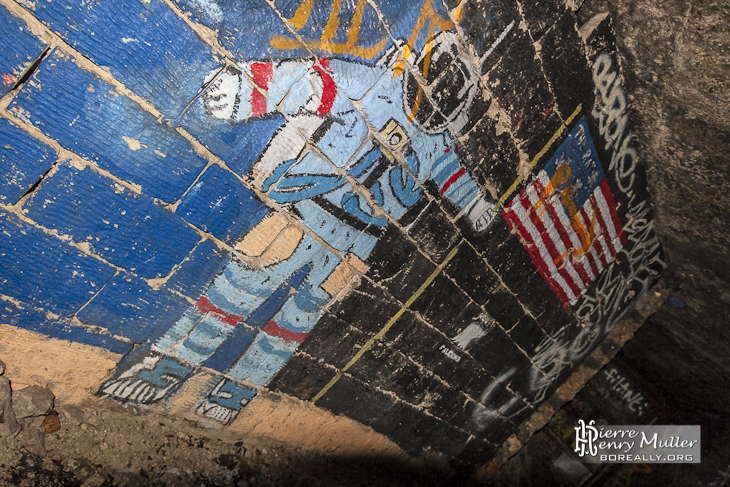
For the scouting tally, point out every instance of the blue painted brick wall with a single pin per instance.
(85, 115)
(218, 203)
(18, 50)
(44, 272)
(23, 160)
(144, 44)
(127, 229)
(242, 27)
(238, 144)
(37, 320)
(198, 270)
(129, 307)
(413, 385)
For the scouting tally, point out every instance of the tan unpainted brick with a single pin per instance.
(338, 279)
(71, 370)
(288, 420)
(302, 424)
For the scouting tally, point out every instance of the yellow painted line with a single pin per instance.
(540, 154)
(451, 255)
(388, 325)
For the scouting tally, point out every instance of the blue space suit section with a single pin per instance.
(264, 311)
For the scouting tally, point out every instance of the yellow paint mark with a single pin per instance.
(388, 325)
(458, 12)
(332, 23)
(354, 33)
(302, 14)
(369, 52)
(428, 13)
(330, 30)
(586, 235)
(539, 155)
(161, 154)
(133, 144)
(91, 89)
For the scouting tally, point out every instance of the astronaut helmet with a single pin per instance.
(453, 83)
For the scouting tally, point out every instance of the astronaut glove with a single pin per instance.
(221, 99)
(481, 214)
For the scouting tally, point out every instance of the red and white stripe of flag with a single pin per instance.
(567, 262)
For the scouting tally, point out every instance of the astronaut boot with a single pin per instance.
(148, 381)
(225, 401)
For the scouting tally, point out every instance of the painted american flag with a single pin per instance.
(566, 218)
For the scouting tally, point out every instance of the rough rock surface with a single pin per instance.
(676, 60)
(115, 446)
(32, 401)
(8, 422)
(32, 439)
(70, 415)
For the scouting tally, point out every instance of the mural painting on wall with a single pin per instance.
(427, 223)
(567, 218)
(256, 313)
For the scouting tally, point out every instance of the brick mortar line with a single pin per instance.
(64, 154)
(41, 30)
(426, 371)
(54, 40)
(604, 352)
(87, 64)
(391, 394)
(538, 57)
(99, 330)
(71, 159)
(153, 283)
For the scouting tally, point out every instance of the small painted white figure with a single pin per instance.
(394, 144)
(476, 330)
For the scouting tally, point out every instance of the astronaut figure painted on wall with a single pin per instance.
(260, 308)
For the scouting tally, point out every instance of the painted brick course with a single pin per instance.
(144, 44)
(20, 49)
(355, 205)
(87, 116)
(23, 160)
(44, 271)
(112, 219)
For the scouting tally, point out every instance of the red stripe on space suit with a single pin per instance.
(261, 73)
(273, 329)
(205, 306)
(329, 90)
(452, 179)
